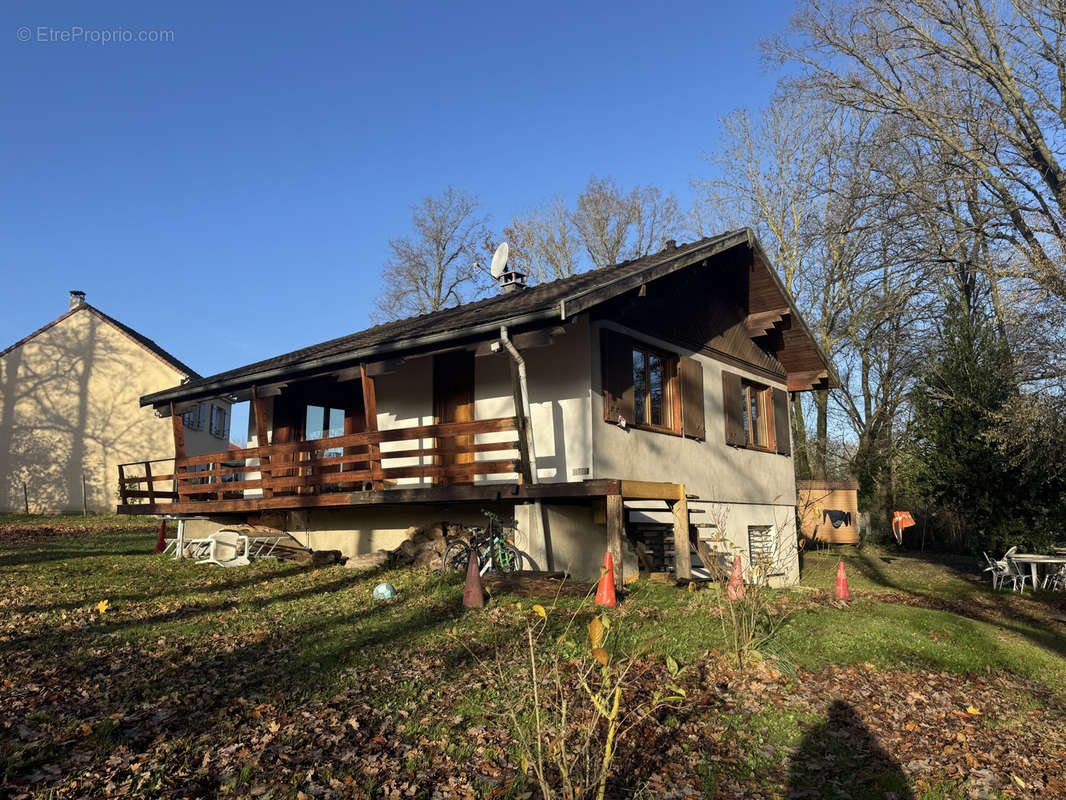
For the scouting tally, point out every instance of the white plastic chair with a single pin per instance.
(227, 549)
(1016, 574)
(999, 569)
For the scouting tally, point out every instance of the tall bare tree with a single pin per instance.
(985, 82)
(615, 226)
(438, 264)
(544, 242)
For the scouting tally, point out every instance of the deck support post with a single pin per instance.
(682, 551)
(615, 530)
(178, 425)
(370, 411)
(262, 438)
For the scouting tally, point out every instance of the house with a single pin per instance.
(69, 412)
(654, 391)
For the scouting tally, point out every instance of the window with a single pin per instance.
(651, 388)
(653, 376)
(756, 416)
(323, 422)
(219, 426)
(193, 419)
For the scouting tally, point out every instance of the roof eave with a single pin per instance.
(307, 368)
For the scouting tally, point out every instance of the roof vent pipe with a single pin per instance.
(77, 298)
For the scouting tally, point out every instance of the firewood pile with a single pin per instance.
(421, 548)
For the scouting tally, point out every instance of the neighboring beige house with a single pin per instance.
(69, 411)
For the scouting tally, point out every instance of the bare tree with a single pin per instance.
(438, 264)
(544, 242)
(615, 226)
(984, 82)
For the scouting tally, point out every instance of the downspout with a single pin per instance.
(523, 390)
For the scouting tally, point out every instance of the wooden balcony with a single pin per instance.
(336, 471)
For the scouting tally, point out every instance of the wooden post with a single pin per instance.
(84, 498)
(615, 530)
(179, 434)
(122, 484)
(262, 438)
(682, 553)
(25, 498)
(370, 411)
(151, 483)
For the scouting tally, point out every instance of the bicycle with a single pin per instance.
(494, 551)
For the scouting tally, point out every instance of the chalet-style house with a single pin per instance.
(600, 411)
(69, 413)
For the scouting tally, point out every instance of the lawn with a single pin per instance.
(128, 674)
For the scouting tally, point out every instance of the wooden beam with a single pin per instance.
(805, 381)
(178, 424)
(682, 553)
(497, 492)
(370, 409)
(615, 531)
(649, 490)
(262, 436)
(761, 322)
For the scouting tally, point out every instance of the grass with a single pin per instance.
(186, 657)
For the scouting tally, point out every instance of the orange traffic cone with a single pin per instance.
(735, 590)
(161, 542)
(842, 583)
(605, 591)
(473, 593)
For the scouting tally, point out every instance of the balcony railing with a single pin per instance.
(338, 464)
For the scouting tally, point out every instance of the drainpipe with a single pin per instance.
(523, 390)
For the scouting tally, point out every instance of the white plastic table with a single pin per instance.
(1033, 560)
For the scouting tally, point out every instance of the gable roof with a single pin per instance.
(555, 300)
(139, 338)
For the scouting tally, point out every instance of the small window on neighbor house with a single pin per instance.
(219, 428)
(193, 419)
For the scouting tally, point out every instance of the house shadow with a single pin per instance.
(840, 758)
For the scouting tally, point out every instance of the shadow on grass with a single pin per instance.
(180, 590)
(26, 557)
(213, 691)
(840, 758)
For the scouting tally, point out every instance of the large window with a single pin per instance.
(653, 378)
(650, 387)
(757, 414)
(323, 422)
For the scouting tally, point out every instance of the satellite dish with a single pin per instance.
(499, 259)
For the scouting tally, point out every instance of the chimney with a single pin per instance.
(670, 244)
(77, 298)
(512, 280)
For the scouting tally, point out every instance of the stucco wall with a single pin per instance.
(711, 469)
(69, 405)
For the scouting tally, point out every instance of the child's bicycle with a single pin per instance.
(493, 550)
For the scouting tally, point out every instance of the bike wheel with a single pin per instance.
(456, 558)
(507, 558)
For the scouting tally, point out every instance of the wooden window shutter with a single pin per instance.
(617, 358)
(693, 422)
(732, 409)
(782, 428)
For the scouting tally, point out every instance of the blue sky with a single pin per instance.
(231, 193)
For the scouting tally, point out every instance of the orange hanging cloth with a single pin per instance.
(901, 520)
